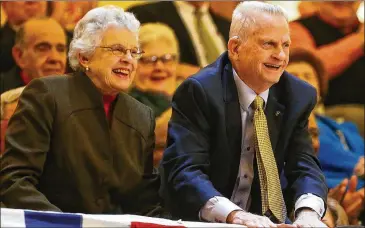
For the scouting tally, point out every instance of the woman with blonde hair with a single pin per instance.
(156, 78)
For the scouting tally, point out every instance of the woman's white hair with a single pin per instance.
(152, 32)
(9, 97)
(243, 16)
(89, 30)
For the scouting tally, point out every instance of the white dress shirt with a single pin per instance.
(187, 14)
(218, 208)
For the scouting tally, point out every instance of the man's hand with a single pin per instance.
(248, 219)
(251, 220)
(308, 218)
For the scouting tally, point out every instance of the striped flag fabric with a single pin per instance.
(41, 219)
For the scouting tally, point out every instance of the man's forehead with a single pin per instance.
(267, 26)
(44, 30)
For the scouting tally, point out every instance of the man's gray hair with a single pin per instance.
(9, 97)
(243, 18)
(89, 30)
(20, 35)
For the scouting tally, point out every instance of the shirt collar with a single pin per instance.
(246, 95)
(25, 77)
(184, 6)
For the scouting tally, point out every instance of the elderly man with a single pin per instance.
(40, 50)
(230, 123)
(17, 13)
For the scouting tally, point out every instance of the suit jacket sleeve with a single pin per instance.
(27, 144)
(302, 167)
(185, 165)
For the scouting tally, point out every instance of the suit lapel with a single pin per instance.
(274, 113)
(88, 97)
(233, 123)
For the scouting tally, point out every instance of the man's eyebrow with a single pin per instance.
(43, 43)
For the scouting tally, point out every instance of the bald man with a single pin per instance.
(17, 12)
(40, 50)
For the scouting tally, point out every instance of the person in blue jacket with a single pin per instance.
(339, 145)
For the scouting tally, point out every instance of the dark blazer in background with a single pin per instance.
(7, 41)
(10, 80)
(166, 12)
(61, 154)
(204, 141)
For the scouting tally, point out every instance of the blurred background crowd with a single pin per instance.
(179, 38)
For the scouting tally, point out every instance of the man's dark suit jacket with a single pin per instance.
(7, 41)
(204, 141)
(10, 80)
(62, 153)
(166, 12)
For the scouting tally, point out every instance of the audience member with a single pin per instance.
(156, 79)
(69, 13)
(77, 143)
(202, 35)
(341, 148)
(338, 40)
(218, 124)
(39, 51)
(17, 13)
(307, 8)
(9, 101)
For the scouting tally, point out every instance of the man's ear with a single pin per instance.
(83, 60)
(233, 47)
(18, 55)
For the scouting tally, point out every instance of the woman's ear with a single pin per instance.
(83, 60)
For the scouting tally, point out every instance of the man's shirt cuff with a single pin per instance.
(217, 209)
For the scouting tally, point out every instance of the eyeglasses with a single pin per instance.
(152, 60)
(119, 50)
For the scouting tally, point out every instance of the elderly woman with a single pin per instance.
(78, 143)
(156, 79)
(339, 144)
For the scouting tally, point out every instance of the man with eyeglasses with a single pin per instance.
(39, 51)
